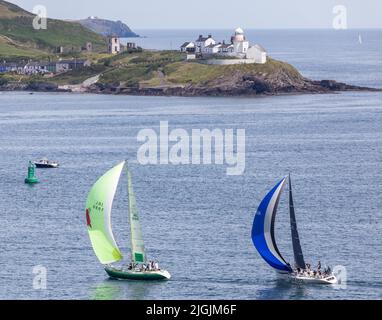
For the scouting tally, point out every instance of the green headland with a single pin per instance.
(133, 71)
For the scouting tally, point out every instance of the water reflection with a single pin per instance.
(107, 290)
(282, 289)
(125, 290)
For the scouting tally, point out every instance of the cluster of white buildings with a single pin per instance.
(43, 67)
(238, 48)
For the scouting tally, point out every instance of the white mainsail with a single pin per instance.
(137, 245)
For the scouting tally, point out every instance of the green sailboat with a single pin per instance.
(98, 217)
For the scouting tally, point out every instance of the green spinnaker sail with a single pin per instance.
(137, 245)
(98, 216)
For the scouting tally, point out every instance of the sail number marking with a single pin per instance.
(98, 206)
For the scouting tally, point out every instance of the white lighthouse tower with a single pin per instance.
(240, 43)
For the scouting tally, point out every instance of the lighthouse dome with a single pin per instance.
(239, 35)
(239, 31)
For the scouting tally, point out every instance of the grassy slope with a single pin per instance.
(79, 76)
(163, 68)
(16, 24)
(58, 33)
(10, 51)
(131, 69)
(10, 10)
(195, 73)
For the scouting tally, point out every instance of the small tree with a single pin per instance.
(3, 81)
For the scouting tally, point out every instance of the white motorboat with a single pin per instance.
(45, 163)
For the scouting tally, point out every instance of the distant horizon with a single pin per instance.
(273, 14)
(281, 29)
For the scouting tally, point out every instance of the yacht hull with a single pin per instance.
(123, 274)
(329, 280)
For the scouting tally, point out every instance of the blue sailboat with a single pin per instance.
(263, 237)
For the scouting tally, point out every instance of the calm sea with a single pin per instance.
(196, 220)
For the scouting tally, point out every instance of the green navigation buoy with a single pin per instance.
(31, 179)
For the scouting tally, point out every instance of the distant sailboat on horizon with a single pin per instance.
(263, 237)
(360, 40)
(98, 217)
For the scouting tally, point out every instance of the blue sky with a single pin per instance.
(216, 14)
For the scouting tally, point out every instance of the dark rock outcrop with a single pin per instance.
(36, 86)
(248, 87)
(41, 86)
(108, 28)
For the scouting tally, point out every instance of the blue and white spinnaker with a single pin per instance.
(263, 231)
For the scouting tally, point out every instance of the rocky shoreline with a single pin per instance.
(248, 87)
(34, 87)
